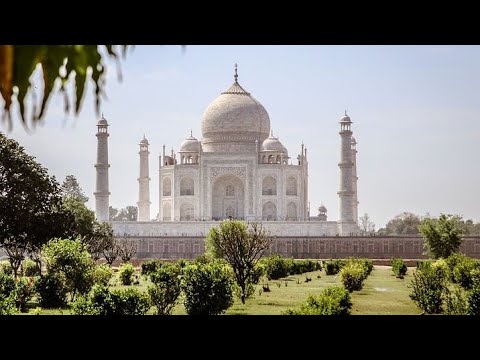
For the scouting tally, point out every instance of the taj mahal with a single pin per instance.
(238, 169)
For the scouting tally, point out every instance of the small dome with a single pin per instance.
(322, 209)
(273, 144)
(190, 144)
(102, 122)
(345, 118)
(144, 141)
(353, 140)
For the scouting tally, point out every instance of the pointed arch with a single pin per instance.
(167, 187)
(269, 211)
(187, 186)
(269, 186)
(292, 186)
(292, 211)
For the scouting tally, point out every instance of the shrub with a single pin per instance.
(207, 288)
(150, 266)
(6, 268)
(166, 289)
(276, 267)
(334, 300)
(101, 301)
(333, 267)
(126, 274)
(7, 305)
(399, 268)
(427, 288)
(440, 267)
(365, 264)
(455, 302)
(7, 284)
(462, 271)
(51, 291)
(352, 277)
(303, 266)
(23, 292)
(102, 274)
(70, 258)
(473, 300)
(30, 268)
(423, 264)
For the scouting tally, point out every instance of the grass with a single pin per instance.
(382, 294)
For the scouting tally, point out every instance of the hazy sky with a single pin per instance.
(415, 113)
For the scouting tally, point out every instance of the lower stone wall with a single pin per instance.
(374, 247)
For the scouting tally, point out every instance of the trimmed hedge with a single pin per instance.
(399, 268)
(333, 300)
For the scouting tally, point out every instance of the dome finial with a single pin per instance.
(346, 113)
(236, 74)
(191, 133)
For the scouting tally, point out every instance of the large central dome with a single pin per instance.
(234, 121)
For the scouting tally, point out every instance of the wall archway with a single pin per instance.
(228, 197)
(292, 186)
(292, 211)
(269, 211)
(187, 212)
(187, 186)
(167, 187)
(269, 186)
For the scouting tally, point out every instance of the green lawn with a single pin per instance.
(382, 294)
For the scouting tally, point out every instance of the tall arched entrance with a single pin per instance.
(228, 197)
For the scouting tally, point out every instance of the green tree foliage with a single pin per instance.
(98, 236)
(241, 244)
(166, 288)
(31, 211)
(71, 189)
(405, 223)
(333, 267)
(71, 259)
(51, 290)
(129, 213)
(334, 300)
(207, 288)
(30, 268)
(60, 64)
(442, 237)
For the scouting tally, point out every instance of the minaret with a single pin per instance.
(144, 183)
(101, 193)
(355, 179)
(346, 166)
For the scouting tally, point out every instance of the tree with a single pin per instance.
(166, 289)
(207, 288)
(101, 240)
(127, 214)
(127, 248)
(57, 63)
(366, 225)
(113, 213)
(241, 244)
(442, 236)
(31, 209)
(405, 223)
(70, 259)
(71, 189)
(96, 235)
